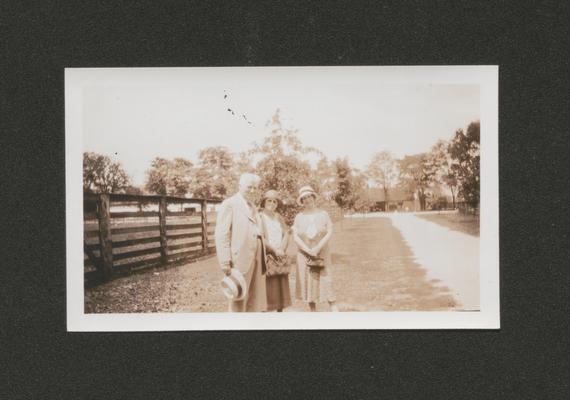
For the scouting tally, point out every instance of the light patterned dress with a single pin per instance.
(313, 285)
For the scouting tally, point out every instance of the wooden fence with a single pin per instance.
(123, 233)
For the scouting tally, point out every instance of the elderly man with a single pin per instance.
(239, 244)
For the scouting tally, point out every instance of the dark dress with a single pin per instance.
(278, 291)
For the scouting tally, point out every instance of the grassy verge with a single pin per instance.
(465, 223)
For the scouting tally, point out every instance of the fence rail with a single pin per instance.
(124, 232)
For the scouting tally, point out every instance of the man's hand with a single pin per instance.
(226, 269)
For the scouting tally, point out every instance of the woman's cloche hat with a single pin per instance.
(304, 192)
(234, 286)
(270, 194)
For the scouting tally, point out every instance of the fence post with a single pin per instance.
(162, 227)
(203, 207)
(105, 239)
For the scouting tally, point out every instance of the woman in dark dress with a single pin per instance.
(276, 234)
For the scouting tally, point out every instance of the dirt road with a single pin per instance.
(447, 255)
(374, 270)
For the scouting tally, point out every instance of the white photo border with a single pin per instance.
(76, 79)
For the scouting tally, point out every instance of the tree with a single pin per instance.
(325, 174)
(344, 194)
(284, 174)
(101, 175)
(169, 177)
(383, 170)
(243, 163)
(444, 174)
(360, 188)
(180, 176)
(282, 165)
(215, 175)
(465, 154)
(133, 190)
(416, 174)
(157, 177)
(350, 193)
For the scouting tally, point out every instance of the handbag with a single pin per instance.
(275, 265)
(313, 262)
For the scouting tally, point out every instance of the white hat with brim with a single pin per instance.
(234, 286)
(304, 192)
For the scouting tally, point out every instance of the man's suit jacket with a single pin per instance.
(237, 228)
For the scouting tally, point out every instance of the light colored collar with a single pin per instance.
(243, 199)
(251, 210)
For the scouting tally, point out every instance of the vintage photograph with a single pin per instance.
(282, 198)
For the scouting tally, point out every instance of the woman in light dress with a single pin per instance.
(276, 234)
(312, 231)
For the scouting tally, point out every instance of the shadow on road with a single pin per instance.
(373, 270)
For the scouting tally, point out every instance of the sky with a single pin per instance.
(140, 114)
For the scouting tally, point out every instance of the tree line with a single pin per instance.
(452, 164)
(282, 162)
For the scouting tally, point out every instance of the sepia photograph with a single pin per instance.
(282, 198)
